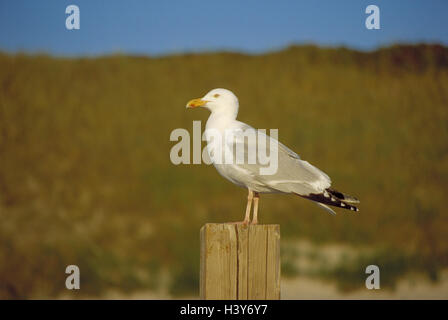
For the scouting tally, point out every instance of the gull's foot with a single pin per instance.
(244, 222)
(254, 222)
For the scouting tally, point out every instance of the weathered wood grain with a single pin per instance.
(240, 262)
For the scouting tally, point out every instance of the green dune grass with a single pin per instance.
(86, 178)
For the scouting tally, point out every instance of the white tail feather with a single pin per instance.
(326, 208)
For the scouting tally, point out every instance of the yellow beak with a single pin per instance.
(196, 103)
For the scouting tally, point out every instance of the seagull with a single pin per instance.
(292, 175)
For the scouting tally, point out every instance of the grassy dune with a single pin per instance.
(86, 178)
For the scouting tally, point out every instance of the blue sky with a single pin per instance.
(165, 27)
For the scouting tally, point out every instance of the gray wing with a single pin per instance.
(293, 175)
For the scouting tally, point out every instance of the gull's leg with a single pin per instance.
(250, 197)
(246, 220)
(256, 199)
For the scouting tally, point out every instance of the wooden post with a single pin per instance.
(240, 262)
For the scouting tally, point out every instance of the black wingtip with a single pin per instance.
(328, 199)
(342, 196)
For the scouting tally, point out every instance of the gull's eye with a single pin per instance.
(216, 95)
